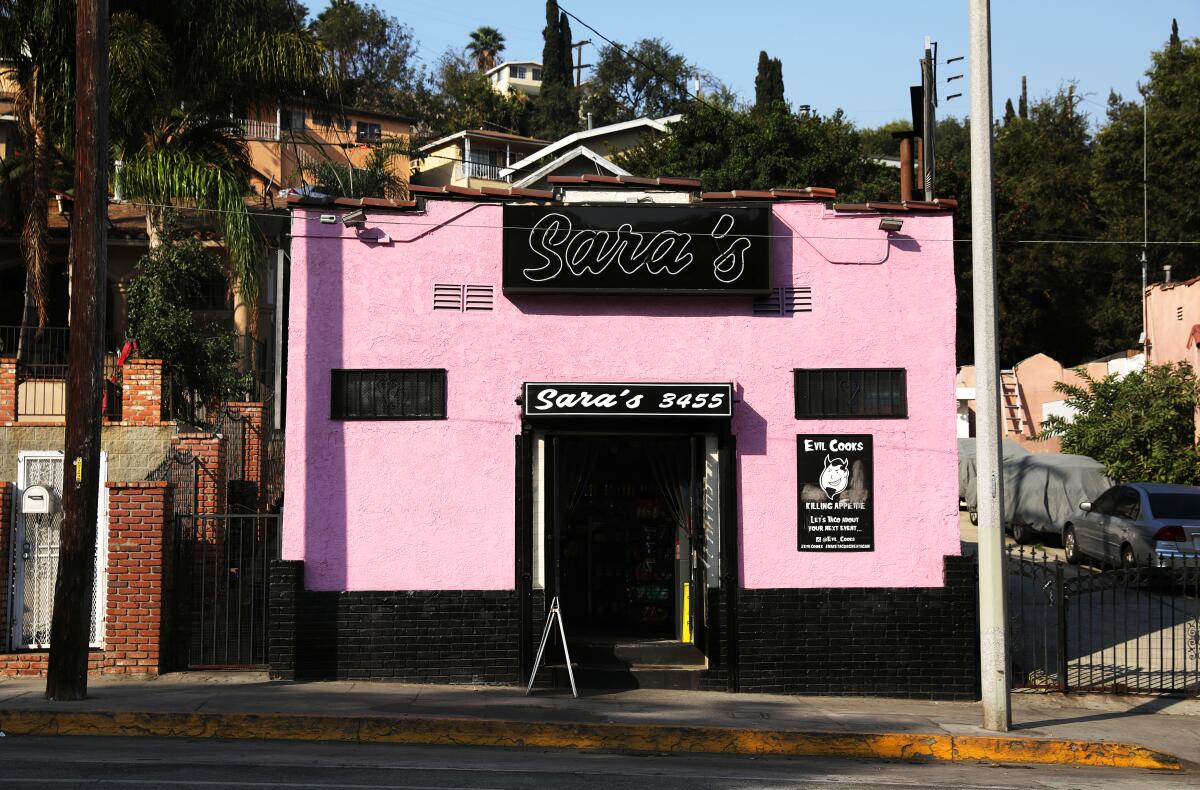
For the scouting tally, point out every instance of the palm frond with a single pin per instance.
(164, 176)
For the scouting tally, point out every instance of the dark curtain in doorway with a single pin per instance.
(577, 462)
(671, 466)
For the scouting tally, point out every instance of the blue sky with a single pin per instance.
(860, 55)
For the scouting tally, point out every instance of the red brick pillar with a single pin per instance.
(212, 485)
(253, 446)
(8, 390)
(142, 388)
(140, 529)
(6, 516)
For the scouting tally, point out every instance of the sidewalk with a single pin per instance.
(1144, 732)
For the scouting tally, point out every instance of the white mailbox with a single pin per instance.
(38, 500)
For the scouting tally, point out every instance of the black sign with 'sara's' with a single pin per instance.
(835, 492)
(708, 249)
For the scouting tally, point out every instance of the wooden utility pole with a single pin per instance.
(579, 64)
(66, 678)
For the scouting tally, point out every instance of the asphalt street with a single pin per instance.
(68, 762)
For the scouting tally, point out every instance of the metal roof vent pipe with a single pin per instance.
(1167, 273)
(589, 120)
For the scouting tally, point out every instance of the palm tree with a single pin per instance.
(37, 52)
(486, 44)
(180, 73)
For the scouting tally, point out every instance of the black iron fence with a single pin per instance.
(182, 470)
(33, 346)
(221, 568)
(1122, 630)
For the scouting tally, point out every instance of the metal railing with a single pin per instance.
(254, 129)
(1122, 630)
(47, 346)
(42, 391)
(480, 170)
(222, 573)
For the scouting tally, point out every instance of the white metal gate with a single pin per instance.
(35, 553)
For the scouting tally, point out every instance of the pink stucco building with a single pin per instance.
(719, 427)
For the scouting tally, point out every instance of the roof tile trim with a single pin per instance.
(808, 193)
(629, 181)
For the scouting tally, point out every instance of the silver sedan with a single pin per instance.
(1136, 523)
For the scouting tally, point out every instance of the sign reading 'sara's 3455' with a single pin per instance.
(594, 399)
(637, 248)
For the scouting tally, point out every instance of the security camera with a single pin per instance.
(352, 219)
(890, 224)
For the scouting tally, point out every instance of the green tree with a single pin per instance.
(463, 98)
(768, 82)
(651, 81)
(557, 108)
(1141, 427)
(175, 136)
(759, 150)
(486, 43)
(167, 284)
(374, 57)
(376, 178)
(1172, 171)
(1048, 292)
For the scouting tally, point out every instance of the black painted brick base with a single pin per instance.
(456, 636)
(896, 642)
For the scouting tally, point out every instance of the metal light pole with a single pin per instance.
(993, 660)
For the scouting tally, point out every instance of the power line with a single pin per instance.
(642, 63)
(793, 235)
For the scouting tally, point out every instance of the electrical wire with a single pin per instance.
(793, 235)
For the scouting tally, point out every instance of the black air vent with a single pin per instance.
(784, 301)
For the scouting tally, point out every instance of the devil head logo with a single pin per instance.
(835, 476)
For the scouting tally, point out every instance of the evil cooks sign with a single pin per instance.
(637, 248)
(834, 478)
(576, 399)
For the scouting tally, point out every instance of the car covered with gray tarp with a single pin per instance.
(1041, 490)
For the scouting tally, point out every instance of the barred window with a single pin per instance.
(851, 392)
(398, 394)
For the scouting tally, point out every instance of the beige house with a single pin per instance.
(286, 139)
(520, 76)
(472, 158)
(1173, 322)
(1029, 397)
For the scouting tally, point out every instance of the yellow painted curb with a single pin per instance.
(619, 737)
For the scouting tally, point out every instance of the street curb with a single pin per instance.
(659, 738)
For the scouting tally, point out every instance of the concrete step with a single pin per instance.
(615, 676)
(639, 652)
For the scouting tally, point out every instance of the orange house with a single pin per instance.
(285, 141)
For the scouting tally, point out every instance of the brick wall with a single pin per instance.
(139, 562)
(898, 642)
(211, 486)
(417, 636)
(895, 642)
(142, 387)
(8, 390)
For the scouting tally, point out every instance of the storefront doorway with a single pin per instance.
(626, 529)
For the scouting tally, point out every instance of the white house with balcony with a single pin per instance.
(472, 158)
(522, 76)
